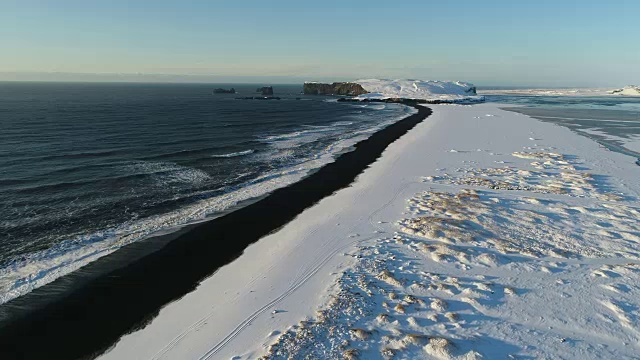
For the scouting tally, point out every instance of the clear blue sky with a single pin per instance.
(491, 42)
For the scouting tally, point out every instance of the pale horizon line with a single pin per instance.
(168, 78)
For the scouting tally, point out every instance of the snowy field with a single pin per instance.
(481, 233)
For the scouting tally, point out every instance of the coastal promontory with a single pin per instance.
(400, 90)
(336, 88)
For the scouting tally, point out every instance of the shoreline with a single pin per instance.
(500, 252)
(611, 145)
(494, 269)
(104, 303)
(411, 102)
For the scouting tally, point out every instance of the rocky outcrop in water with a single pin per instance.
(224, 91)
(265, 90)
(336, 88)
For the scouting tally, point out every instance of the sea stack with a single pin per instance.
(265, 90)
(224, 91)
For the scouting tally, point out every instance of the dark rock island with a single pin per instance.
(336, 88)
(265, 90)
(224, 91)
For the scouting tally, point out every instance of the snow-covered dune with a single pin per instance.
(429, 90)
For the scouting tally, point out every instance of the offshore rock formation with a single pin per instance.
(224, 91)
(336, 88)
(265, 90)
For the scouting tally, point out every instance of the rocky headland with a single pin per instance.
(336, 88)
(406, 91)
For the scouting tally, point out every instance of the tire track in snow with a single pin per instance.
(296, 284)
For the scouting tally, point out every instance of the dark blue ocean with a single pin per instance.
(89, 168)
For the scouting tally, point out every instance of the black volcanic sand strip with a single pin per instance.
(94, 316)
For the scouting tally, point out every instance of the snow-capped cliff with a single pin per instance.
(429, 90)
(630, 90)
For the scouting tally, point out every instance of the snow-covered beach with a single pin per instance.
(480, 233)
(271, 180)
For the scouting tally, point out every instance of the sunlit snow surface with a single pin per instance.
(631, 90)
(418, 89)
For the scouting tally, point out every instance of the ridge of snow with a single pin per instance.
(631, 90)
(429, 90)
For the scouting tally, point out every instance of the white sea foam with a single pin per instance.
(342, 123)
(165, 173)
(298, 134)
(39, 268)
(234, 154)
(300, 137)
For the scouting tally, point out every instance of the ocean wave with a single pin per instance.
(298, 134)
(78, 154)
(165, 173)
(300, 137)
(233, 154)
(33, 270)
(317, 126)
(161, 173)
(36, 269)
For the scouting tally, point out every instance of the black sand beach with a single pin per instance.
(96, 313)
